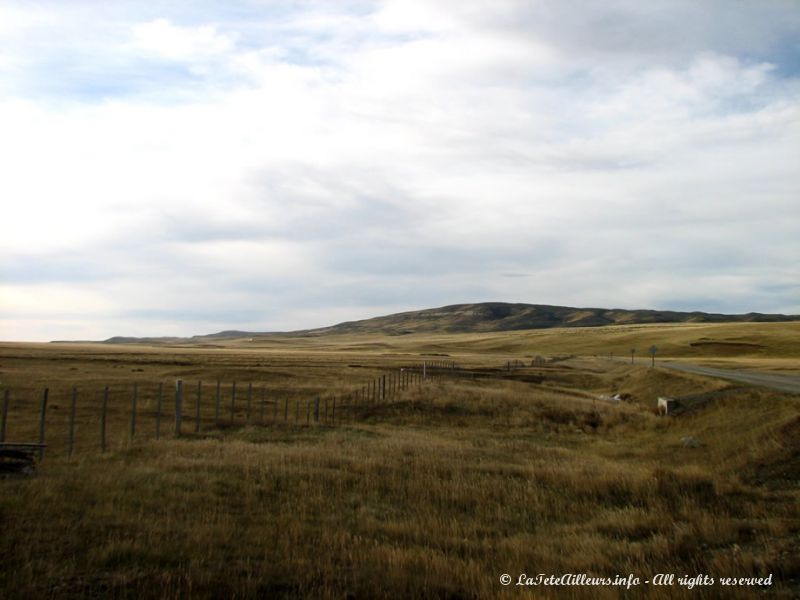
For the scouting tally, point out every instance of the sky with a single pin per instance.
(180, 168)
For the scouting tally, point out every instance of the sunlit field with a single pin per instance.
(436, 490)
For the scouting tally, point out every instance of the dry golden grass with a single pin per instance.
(699, 341)
(434, 494)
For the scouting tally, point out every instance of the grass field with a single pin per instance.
(434, 493)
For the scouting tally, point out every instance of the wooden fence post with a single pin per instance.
(159, 401)
(42, 422)
(72, 407)
(216, 402)
(333, 412)
(103, 413)
(133, 411)
(6, 398)
(233, 402)
(178, 406)
(197, 408)
(249, 400)
(296, 411)
(286, 410)
(316, 409)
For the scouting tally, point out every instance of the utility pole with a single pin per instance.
(633, 351)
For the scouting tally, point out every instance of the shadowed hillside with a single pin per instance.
(501, 316)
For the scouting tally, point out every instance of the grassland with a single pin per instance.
(766, 345)
(435, 493)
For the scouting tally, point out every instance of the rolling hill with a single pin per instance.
(501, 316)
(486, 317)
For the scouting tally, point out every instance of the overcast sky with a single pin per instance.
(178, 168)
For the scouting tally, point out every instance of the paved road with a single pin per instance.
(783, 383)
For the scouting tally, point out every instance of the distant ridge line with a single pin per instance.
(483, 317)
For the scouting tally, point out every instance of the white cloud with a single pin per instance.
(16, 21)
(307, 162)
(191, 44)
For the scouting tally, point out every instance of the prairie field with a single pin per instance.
(433, 491)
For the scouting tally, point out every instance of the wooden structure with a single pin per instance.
(19, 458)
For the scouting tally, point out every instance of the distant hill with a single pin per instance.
(501, 316)
(481, 318)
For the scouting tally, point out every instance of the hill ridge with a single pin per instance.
(505, 316)
(485, 317)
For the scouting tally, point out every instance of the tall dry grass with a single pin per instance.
(435, 494)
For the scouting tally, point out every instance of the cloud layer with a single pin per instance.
(271, 166)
